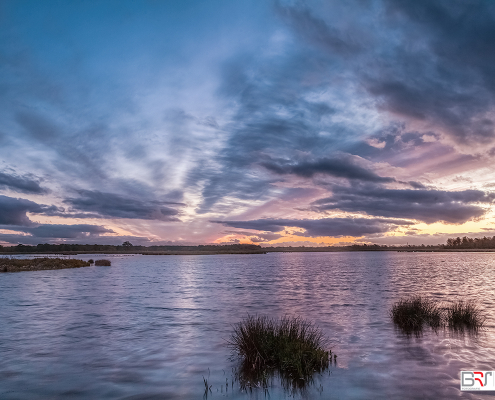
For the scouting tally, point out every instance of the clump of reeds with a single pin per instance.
(207, 387)
(464, 315)
(411, 314)
(103, 263)
(91, 261)
(292, 346)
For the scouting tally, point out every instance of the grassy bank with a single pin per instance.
(39, 264)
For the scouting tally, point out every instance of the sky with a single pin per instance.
(277, 123)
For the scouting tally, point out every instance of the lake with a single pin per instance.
(151, 327)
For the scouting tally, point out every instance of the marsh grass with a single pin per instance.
(292, 347)
(103, 263)
(39, 264)
(412, 314)
(207, 387)
(464, 315)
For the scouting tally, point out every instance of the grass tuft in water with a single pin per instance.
(293, 347)
(464, 315)
(103, 263)
(411, 314)
(207, 388)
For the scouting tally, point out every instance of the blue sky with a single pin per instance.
(271, 122)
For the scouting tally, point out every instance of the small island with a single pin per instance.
(39, 264)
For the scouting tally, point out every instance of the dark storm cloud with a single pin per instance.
(79, 233)
(66, 231)
(340, 167)
(392, 140)
(460, 31)
(117, 206)
(336, 227)
(417, 185)
(14, 211)
(443, 71)
(424, 205)
(427, 60)
(272, 121)
(18, 183)
(274, 118)
(424, 61)
(13, 216)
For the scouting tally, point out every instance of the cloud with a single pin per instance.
(314, 85)
(38, 127)
(426, 61)
(341, 167)
(442, 72)
(417, 185)
(116, 206)
(72, 153)
(424, 205)
(22, 184)
(258, 237)
(274, 119)
(264, 237)
(14, 211)
(317, 31)
(66, 231)
(335, 227)
(79, 233)
(13, 216)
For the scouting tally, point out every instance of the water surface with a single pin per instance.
(150, 327)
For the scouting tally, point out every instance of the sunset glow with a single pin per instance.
(274, 123)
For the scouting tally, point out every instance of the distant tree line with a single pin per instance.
(125, 247)
(378, 247)
(470, 243)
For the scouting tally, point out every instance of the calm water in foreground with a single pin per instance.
(150, 327)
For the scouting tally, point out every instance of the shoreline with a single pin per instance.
(264, 251)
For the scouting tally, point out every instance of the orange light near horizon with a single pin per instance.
(321, 240)
(243, 239)
(327, 240)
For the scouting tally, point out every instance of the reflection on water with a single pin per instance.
(154, 326)
(250, 379)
